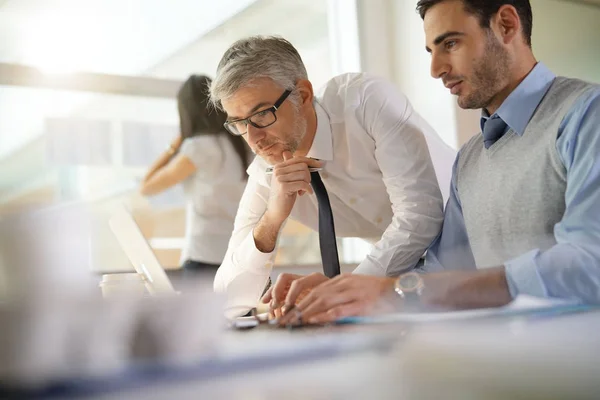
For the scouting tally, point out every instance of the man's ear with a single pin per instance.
(305, 90)
(508, 23)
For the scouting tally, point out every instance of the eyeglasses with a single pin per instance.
(260, 119)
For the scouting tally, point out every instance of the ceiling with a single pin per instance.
(110, 36)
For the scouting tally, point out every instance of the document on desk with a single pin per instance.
(521, 306)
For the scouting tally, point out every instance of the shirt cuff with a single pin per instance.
(249, 258)
(522, 276)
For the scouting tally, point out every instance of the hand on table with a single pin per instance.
(288, 290)
(343, 296)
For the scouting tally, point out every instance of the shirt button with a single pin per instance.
(324, 175)
(353, 200)
(379, 220)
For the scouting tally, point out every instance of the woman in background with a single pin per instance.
(211, 164)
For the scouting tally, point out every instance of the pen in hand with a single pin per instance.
(296, 318)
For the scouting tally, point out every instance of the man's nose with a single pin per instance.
(254, 135)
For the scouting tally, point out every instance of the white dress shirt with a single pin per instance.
(212, 196)
(379, 176)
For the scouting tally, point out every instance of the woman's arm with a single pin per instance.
(168, 170)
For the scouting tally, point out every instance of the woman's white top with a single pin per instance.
(212, 195)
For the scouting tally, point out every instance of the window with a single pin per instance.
(84, 125)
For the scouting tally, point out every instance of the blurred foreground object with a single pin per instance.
(55, 323)
(129, 284)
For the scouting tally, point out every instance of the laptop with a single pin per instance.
(139, 253)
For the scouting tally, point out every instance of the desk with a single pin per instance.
(536, 358)
(507, 358)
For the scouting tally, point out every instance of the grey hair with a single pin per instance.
(257, 57)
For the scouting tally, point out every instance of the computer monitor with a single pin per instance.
(139, 253)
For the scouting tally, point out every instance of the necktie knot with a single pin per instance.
(493, 129)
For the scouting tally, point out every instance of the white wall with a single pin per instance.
(412, 72)
(392, 45)
(566, 37)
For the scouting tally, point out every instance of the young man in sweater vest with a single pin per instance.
(524, 210)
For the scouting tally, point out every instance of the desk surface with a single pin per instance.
(496, 359)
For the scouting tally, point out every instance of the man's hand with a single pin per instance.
(290, 179)
(289, 289)
(350, 295)
(343, 296)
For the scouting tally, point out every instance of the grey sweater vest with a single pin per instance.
(513, 193)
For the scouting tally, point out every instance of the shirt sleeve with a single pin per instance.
(245, 270)
(408, 174)
(570, 269)
(451, 249)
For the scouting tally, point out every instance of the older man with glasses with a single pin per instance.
(351, 161)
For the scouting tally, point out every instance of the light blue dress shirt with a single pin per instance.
(571, 268)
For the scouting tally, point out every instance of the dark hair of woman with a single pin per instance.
(198, 117)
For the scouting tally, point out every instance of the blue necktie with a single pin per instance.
(493, 130)
(329, 253)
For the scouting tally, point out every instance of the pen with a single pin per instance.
(269, 170)
(297, 321)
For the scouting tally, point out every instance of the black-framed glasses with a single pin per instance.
(260, 119)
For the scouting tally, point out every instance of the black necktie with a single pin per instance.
(329, 253)
(493, 130)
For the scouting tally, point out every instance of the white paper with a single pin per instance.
(521, 305)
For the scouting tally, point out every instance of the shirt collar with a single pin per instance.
(322, 145)
(519, 106)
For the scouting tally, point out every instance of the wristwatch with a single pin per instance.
(409, 287)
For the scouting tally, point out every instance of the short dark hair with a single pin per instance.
(485, 9)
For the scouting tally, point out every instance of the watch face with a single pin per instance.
(409, 282)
